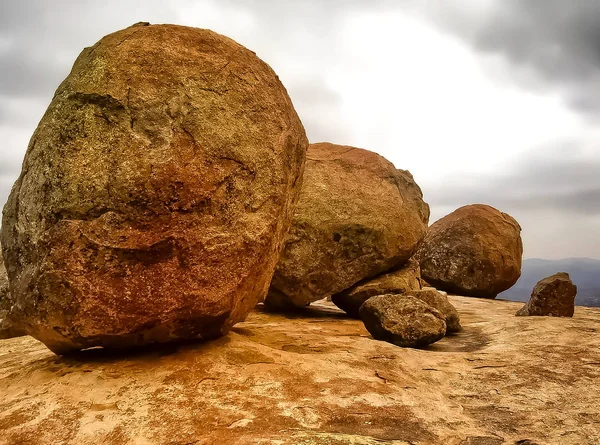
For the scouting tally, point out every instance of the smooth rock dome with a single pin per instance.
(357, 217)
(155, 193)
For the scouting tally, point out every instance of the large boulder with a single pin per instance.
(155, 194)
(402, 320)
(553, 296)
(397, 282)
(357, 217)
(474, 251)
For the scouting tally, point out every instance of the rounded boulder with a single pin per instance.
(357, 217)
(474, 251)
(155, 194)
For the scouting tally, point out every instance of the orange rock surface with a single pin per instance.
(317, 378)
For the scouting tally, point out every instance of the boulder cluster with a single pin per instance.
(170, 187)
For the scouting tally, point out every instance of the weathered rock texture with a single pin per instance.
(7, 328)
(155, 192)
(439, 300)
(397, 282)
(553, 296)
(318, 380)
(3, 282)
(474, 251)
(402, 320)
(357, 216)
(4, 299)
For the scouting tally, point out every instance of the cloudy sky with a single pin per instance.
(490, 101)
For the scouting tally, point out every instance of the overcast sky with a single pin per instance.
(490, 101)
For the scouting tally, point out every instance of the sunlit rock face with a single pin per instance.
(155, 193)
(475, 251)
(357, 217)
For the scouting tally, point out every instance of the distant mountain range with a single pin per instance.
(584, 272)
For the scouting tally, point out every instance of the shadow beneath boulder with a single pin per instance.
(146, 353)
(469, 339)
(311, 311)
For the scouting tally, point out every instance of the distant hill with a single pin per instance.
(584, 272)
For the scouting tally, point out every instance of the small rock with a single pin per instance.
(402, 320)
(439, 301)
(397, 282)
(279, 302)
(553, 296)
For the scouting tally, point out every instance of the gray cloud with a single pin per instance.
(554, 197)
(319, 108)
(548, 180)
(577, 203)
(20, 76)
(39, 41)
(555, 42)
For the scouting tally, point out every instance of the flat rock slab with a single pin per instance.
(316, 377)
